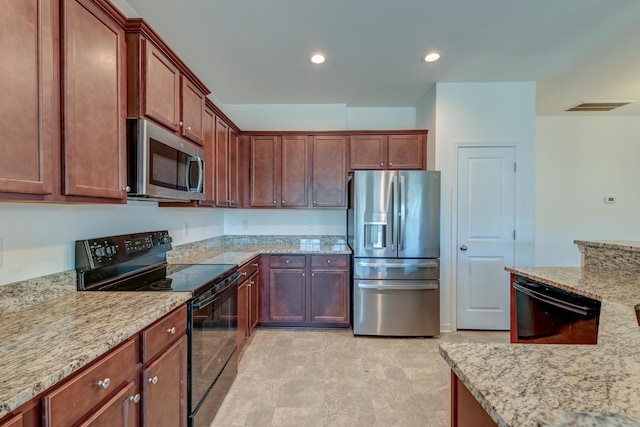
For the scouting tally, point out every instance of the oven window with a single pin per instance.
(168, 166)
(213, 341)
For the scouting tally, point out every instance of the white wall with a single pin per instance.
(38, 239)
(285, 221)
(379, 118)
(426, 119)
(287, 116)
(483, 114)
(579, 160)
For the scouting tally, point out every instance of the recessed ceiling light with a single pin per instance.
(317, 58)
(431, 57)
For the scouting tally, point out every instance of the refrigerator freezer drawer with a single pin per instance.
(396, 269)
(396, 307)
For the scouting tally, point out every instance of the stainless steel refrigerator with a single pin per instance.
(393, 228)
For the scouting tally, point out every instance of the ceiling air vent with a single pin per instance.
(598, 105)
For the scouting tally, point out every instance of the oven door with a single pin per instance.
(548, 315)
(213, 336)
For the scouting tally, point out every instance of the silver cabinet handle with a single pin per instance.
(104, 383)
(171, 330)
(135, 399)
(463, 248)
(153, 380)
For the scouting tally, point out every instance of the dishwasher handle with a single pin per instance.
(584, 311)
(377, 287)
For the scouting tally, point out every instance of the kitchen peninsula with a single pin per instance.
(530, 384)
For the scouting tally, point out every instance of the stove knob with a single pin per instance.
(99, 252)
(110, 250)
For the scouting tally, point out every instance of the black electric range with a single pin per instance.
(137, 262)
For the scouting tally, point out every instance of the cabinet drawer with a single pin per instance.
(162, 333)
(329, 261)
(248, 269)
(79, 395)
(287, 261)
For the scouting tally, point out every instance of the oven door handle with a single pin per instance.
(232, 280)
(584, 311)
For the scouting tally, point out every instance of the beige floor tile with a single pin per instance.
(306, 378)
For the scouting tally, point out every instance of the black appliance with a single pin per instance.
(549, 315)
(137, 262)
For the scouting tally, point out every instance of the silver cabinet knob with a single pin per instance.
(179, 124)
(126, 188)
(135, 399)
(153, 380)
(171, 330)
(381, 164)
(244, 273)
(314, 202)
(286, 261)
(302, 274)
(463, 248)
(255, 264)
(274, 202)
(328, 261)
(188, 128)
(390, 164)
(104, 383)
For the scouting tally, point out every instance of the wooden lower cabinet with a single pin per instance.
(306, 290)
(248, 301)
(466, 411)
(164, 387)
(119, 411)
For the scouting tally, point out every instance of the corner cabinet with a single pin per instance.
(388, 151)
(305, 290)
(248, 300)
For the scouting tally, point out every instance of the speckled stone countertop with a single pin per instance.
(627, 245)
(529, 384)
(46, 342)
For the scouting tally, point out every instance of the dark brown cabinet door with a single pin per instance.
(329, 170)
(243, 313)
(192, 112)
(234, 161)
(329, 296)
(254, 301)
(222, 163)
(121, 410)
(367, 152)
(94, 95)
(295, 171)
(29, 108)
(162, 88)
(14, 421)
(210, 159)
(287, 295)
(263, 171)
(164, 388)
(406, 151)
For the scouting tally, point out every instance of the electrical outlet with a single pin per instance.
(185, 228)
(312, 224)
(245, 224)
(609, 200)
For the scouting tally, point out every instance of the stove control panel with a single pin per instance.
(105, 251)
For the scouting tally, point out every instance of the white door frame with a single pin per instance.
(454, 215)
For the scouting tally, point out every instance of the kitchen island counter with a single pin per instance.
(518, 383)
(44, 343)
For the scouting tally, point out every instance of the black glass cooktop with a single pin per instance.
(194, 278)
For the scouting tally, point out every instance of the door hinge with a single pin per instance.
(514, 234)
(515, 168)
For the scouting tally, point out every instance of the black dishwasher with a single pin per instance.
(549, 315)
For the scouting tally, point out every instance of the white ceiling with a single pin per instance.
(255, 51)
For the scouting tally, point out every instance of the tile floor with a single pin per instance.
(331, 378)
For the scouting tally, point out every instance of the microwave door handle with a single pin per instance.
(190, 161)
(584, 311)
(200, 175)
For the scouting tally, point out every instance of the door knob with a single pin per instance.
(463, 248)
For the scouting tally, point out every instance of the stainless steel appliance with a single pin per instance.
(161, 165)
(137, 262)
(393, 228)
(549, 315)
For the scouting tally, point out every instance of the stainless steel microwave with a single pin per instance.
(162, 166)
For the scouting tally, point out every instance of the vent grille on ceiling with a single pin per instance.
(598, 106)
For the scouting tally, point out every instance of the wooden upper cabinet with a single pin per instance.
(234, 162)
(264, 171)
(329, 171)
(192, 112)
(295, 171)
(162, 88)
(209, 126)
(29, 107)
(393, 151)
(407, 151)
(367, 151)
(94, 100)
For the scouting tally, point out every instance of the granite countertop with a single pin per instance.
(46, 342)
(626, 245)
(528, 384)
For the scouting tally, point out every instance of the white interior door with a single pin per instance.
(486, 234)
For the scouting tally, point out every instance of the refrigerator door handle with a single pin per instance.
(401, 210)
(425, 264)
(394, 225)
(377, 287)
